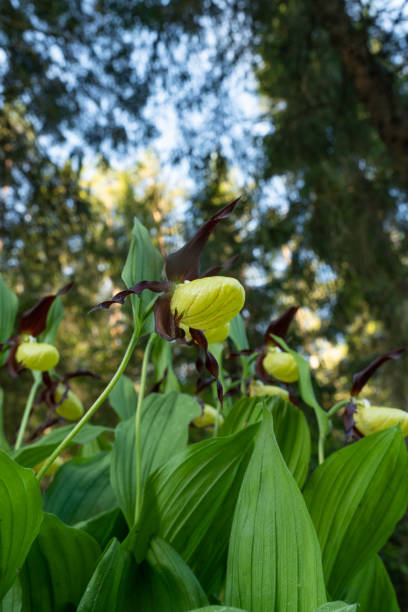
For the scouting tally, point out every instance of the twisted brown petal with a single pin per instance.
(34, 320)
(279, 327)
(184, 264)
(119, 298)
(361, 378)
(210, 361)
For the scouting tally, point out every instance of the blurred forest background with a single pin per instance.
(163, 110)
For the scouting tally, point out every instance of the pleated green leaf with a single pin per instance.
(290, 425)
(164, 432)
(32, 454)
(81, 489)
(123, 398)
(58, 567)
(355, 499)
(337, 606)
(13, 599)
(143, 262)
(190, 502)
(237, 333)
(3, 441)
(218, 609)
(106, 589)
(20, 518)
(105, 526)
(372, 589)
(274, 559)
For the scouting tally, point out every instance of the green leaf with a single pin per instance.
(58, 567)
(237, 333)
(123, 398)
(3, 441)
(54, 318)
(372, 589)
(355, 499)
(20, 518)
(105, 526)
(32, 454)
(13, 599)
(218, 609)
(81, 489)
(274, 559)
(290, 425)
(8, 310)
(143, 262)
(164, 431)
(163, 365)
(337, 606)
(190, 500)
(105, 591)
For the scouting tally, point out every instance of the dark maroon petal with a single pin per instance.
(119, 298)
(279, 327)
(80, 373)
(216, 269)
(156, 387)
(184, 264)
(34, 320)
(243, 352)
(361, 378)
(165, 322)
(13, 366)
(211, 363)
(259, 369)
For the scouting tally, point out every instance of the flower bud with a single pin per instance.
(71, 407)
(37, 356)
(281, 366)
(207, 417)
(208, 303)
(256, 389)
(369, 419)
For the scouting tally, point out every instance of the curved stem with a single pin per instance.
(94, 407)
(27, 411)
(337, 407)
(140, 397)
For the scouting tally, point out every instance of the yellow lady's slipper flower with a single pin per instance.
(208, 417)
(207, 303)
(217, 334)
(257, 389)
(370, 419)
(280, 365)
(37, 356)
(71, 407)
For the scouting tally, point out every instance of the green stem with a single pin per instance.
(140, 397)
(27, 411)
(94, 407)
(337, 407)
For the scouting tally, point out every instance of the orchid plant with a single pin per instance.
(141, 516)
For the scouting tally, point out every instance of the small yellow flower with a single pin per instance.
(207, 303)
(256, 389)
(37, 356)
(370, 419)
(208, 417)
(71, 407)
(280, 365)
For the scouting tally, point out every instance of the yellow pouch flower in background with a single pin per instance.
(37, 356)
(71, 407)
(257, 389)
(370, 419)
(280, 365)
(207, 417)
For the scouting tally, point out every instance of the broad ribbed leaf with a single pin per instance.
(105, 591)
(190, 500)
(123, 398)
(8, 311)
(143, 262)
(164, 431)
(290, 425)
(274, 559)
(3, 441)
(372, 589)
(20, 518)
(58, 567)
(337, 606)
(32, 454)
(105, 526)
(13, 599)
(81, 489)
(218, 609)
(355, 499)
